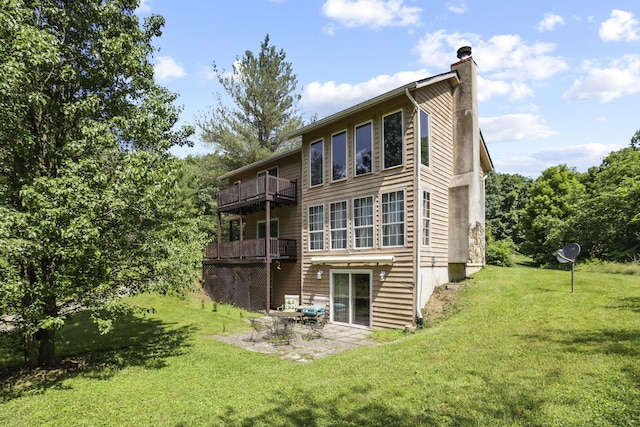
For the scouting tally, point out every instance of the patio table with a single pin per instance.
(284, 325)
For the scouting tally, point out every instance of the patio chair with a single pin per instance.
(259, 326)
(291, 303)
(315, 325)
(319, 305)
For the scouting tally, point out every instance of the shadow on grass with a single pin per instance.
(307, 406)
(82, 351)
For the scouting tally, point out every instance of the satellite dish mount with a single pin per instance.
(569, 254)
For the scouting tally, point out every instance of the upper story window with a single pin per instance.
(363, 150)
(316, 228)
(424, 138)
(393, 218)
(338, 221)
(316, 163)
(339, 156)
(363, 222)
(392, 139)
(426, 218)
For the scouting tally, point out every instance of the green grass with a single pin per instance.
(520, 349)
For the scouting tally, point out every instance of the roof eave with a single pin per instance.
(450, 75)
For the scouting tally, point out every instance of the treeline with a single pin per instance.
(599, 209)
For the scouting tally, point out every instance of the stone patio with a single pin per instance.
(335, 339)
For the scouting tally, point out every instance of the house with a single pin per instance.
(381, 203)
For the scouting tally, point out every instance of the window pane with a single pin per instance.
(363, 149)
(392, 135)
(363, 222)
(338, 220)
(316, 227)
(424, 137)
(339, 156)
(426, 217)
(315, 160)
(393, 219)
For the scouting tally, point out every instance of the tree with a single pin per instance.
(607, 219)
(87, 187)
(506, 197)
(553, 199)
(263, 89)
(635, 140)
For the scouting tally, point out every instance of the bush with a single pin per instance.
(500, 252)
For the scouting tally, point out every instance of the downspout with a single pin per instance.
(417, 195)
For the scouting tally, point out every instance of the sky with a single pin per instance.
(558, 81)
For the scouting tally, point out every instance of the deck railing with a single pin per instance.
(261, 188)
(252, 248)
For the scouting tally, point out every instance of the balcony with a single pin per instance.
(252, 195)
(252, 249)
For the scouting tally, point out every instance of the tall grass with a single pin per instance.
(520, 350)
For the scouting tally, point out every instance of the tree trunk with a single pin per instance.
(47, 353)
(30, 350)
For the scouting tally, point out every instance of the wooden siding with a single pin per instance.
(437, 100)
(393, 302)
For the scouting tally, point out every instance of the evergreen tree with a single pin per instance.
(263, 90)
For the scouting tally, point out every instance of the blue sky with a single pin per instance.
(558, 81)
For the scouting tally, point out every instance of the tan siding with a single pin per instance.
(393, 298)
(437, 100)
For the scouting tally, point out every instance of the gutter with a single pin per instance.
(417, 195)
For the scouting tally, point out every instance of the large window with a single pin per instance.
(426, 218)
(393, 219)
(316, 228)
(392, 139)
(363, 222)
(423, 135)
(338, 221)
(339, 156)
(363, 150)
(316, 163)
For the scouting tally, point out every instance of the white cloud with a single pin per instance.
(621, 26)
(514, 127)
(144, 7)
(504, 56)
(549, 21)
(166, 68)
(582, 157)
(207, 73)
(514, 91)
(330, 97)
(371, 13)
(458, 8)
(620, 78)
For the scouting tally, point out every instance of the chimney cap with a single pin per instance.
(464, 52)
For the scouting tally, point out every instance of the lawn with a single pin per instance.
(519, 349)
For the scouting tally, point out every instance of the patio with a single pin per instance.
(335, 339)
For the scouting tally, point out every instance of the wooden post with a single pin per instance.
(219, 235)
(267, 251)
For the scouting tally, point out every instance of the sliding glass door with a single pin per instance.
(351, 297)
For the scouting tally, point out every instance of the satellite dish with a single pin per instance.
(568, 254)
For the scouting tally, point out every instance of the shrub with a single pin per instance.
(500, 252)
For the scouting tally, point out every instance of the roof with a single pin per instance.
(485, 159)
(264, 161)
(450, 75)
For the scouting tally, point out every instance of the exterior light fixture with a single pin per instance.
(383, 275)
(319, 275)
